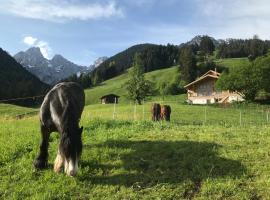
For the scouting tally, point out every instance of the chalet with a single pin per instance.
(202, 91)
(110, 98)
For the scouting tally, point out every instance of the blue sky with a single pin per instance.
(83, 30)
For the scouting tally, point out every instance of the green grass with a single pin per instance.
(116, 85)
(232, 62)
(126, 159)
(9, 110)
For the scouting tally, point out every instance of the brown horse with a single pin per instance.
(165, 113)
(155, 110)
(61, 111)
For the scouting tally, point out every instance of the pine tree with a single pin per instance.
(187, 64)
(207, 46)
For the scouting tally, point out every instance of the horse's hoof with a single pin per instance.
(40, 164)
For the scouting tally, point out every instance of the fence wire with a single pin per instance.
(187, 114)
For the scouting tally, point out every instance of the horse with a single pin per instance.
(155, 110)
(61, 112)
(165, 113)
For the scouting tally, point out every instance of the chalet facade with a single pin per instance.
(202, 91)
(110, 98)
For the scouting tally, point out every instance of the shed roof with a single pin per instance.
(109, 95)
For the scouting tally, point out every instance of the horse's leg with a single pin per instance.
(59, 161)
(42, 158)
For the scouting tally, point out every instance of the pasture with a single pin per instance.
(134, 158)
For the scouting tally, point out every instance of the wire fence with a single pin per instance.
(230, 114)
(239, 115)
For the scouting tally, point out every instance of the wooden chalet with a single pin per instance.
(109, 98)
(202, 91)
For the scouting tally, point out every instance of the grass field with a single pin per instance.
(127, 159)
(232, 62)
(117, 85)
(205, 152)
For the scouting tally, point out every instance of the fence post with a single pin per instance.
(114, 108)
(143, 110)
(240, 118)
(204, 115)
(135, 110)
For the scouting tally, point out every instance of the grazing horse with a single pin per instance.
(165, 113)
(61, 111)
(155, 112)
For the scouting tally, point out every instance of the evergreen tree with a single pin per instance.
(187, 64)
(207, 46)
(137, 87)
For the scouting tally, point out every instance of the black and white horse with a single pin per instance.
(61, 111)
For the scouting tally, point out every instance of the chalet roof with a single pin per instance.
(109, 95)
(209, 74)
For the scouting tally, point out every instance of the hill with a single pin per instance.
(232, 62)
(155, 57)
(16, 81)
(116, 85)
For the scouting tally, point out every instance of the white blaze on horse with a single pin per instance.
(61, 112)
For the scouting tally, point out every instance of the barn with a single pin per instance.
(109, 98)
(202, 91)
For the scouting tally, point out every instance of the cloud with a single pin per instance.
(60, 11)
(29, 40)
(45, 48)
(235, 18)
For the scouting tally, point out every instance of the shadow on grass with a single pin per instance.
(148, 163)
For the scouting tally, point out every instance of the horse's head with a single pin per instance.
(71, 149)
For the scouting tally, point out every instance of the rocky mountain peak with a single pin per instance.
(48, 71)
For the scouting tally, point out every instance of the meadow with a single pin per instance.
(134, 158)
(205, 152)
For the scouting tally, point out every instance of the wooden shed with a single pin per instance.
(109, 98)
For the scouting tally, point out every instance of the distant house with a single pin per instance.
(109, 98)
(202, 91)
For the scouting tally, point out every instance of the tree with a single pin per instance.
(137, 87)
(187, 64)
(249, 80)
(207, 46)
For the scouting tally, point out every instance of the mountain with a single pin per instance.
(48, 71)
(99, 61)
(16, 81)
(157, 56)
(197, 41)
(96, 63)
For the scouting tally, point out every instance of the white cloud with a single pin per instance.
(29, 40)
(235, 18)
(59, 11)
(45, 48)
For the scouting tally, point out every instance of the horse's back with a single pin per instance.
(66, 96)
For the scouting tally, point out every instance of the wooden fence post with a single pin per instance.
(114, 108)
(135, 110)
(143, 110)
(240, 118)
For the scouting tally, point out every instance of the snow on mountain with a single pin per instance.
(99, 61)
